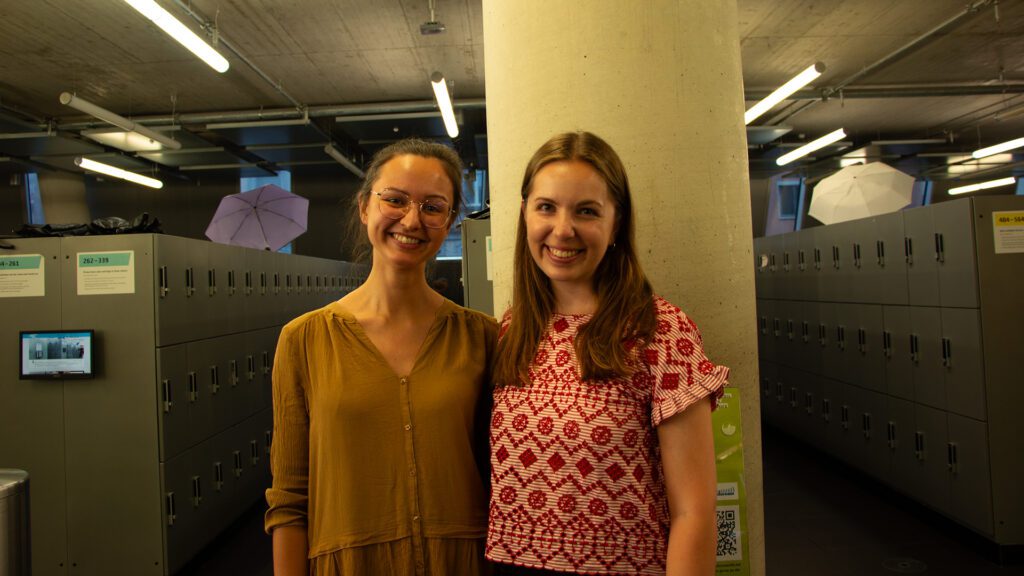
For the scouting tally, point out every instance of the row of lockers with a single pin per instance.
(929, 355)
(207, 290)
(937, 457)
(922, 256)
(208, 386)
(210, 484)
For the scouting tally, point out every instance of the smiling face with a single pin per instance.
(406, 242)
(570, 222)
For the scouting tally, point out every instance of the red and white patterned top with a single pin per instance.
(576, 480)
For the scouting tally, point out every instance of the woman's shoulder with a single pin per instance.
(470, 317)
(313, 320)
(665, 311)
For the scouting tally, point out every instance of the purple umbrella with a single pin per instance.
(267, 217)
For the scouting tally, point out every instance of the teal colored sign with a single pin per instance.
(732, 554)
(20, 262)
(103, 259)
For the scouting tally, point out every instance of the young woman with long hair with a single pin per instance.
(601, 445)
(380, 399)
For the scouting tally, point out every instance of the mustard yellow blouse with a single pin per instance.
(386, 471)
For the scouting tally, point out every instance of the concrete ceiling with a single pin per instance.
(359, 69)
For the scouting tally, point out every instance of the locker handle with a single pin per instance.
(193, 389)
(168, 404)
(908, 249)
(269, 437)
(913, 348)
(214, 379)
(231, 282)
(251, 365)
(785, 265)
(845, 417)
(792, 397)
(922, 454)
(809, 404)
(190, 286)
(801, 261)
(263, 283)
(880, 249)
(805, 331)
(234, 373)
(856, 255)
(826, 409)
(238, 463)
(171, 515)
(211, 279)
(866, 425)
(947, 353)
(789, 329)
(266, 362)
(891, 431)
(775, 327)
(778, 391)
(277, 283)
(940, 249)
(197, 493)
(835, 257)
(218, 476)
(822, 335)
(862, 341)
(841, 337)
(949, 456)
(956, 458)
(817, 259)
(254, 451)
(164, 286)
(887, 344)
(287, 283)
(763, 325)
(248, 282)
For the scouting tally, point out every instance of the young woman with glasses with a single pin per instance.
(601, 444)
(380, 398)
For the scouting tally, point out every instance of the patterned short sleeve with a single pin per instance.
(680, 372)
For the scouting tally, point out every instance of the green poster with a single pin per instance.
(732, 499)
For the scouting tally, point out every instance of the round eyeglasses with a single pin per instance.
(395, 204)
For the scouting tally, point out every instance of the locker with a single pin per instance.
(962, 362)
(931, 480)
(808, 347)
(971, 482)
(869, 357)
(831, 414)
(926, 355)
(874, 446)
(920, 257)
(955, 253)
(179, 516)
(172, 381)
(897, 345)
(904, 444)
(886, 278)
(173, 290)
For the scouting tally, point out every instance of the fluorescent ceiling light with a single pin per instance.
(127, 141)
(785, 91)
(806, 149)
(337, 155)
(982, 186)
(965, 164)
(93, 166)
(444, 102)
(173, 27)
(908, 141)
(69, 99)
(1005, 146)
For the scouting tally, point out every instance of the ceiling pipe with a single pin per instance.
(290, 114)
(904, 50)
(904, 91)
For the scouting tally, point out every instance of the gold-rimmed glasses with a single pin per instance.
(395, 204)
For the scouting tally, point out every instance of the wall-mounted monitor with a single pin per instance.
(57, 354)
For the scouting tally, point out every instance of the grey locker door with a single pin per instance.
(201, 408)
(788, 255)
(919, 253)
(957, 264)
(904, 446)
(830, 413)
(850, 431)
(174, 290)
(888, 259)
(857, 285)
(932, 479)
(809, 353)
(828, 340)
(224, 296)
(810, 415)
(179, 515)
(172, 382)
(926, 334)
(831, 262)
(803, 288)
(210, 506)
(963, 362)
(870, 347)
(845, 334)
(32, 411)
(202, 323)
(971, 485)
(875, 433)
(760, 267)
(899, 367)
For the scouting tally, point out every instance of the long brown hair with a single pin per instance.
(625, 305)
(451, 163)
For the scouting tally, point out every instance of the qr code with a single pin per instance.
(729, 545)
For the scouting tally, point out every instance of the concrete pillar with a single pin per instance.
(661, 82)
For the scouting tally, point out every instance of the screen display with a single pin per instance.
(57, 354)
